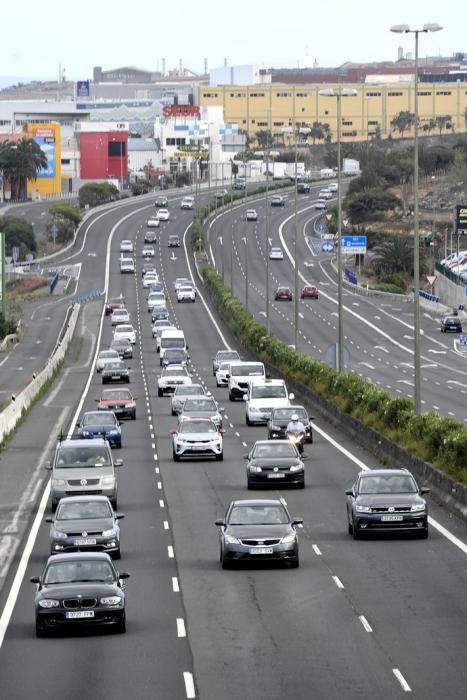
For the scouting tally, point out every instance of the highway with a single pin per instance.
(384, 616)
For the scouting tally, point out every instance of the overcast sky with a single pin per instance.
(270, 33)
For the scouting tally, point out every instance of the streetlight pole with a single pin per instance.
(405, 29)
(231, 229)
(268, 317)
(295, 219)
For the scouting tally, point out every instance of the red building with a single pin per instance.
(103, 150)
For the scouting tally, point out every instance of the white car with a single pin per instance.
(251, 215)
(119, 316)
(197, 437)
(127, 265)
(276, 254)
(325, 194)
(171, 377)
(179, 281)
(222, 374)
(125, 330)
(161, 325)
(104, 357)
(148, 251)
(156, 299)
(149, 278)
(332, 187)
(163, 215)
(320, 204)
(187, 203)
(153, 222)
(186, 293)
(182, 392)
(262, 397)
(126, 246)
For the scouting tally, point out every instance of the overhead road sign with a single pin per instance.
(354, 245)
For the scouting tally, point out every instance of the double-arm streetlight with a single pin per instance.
(405, 29)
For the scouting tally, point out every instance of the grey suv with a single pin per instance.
(83, 467)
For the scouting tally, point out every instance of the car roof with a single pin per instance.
(69, 556)
(99, 413)
(258, 502)
(83, 442)
(85, 499)
(385, 472)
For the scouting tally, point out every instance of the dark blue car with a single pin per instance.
(101, 424)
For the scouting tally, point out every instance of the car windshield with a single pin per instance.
(174, 343)
(224, 366)
(268, 392)
(186, 288)
(104, 354)
(174, 372)
(192, 426)
(76, 571)
(175, 353)
(287, 413)
(199, 405)
(247, 371)
(227, 355)
(87, 456)
(83, 510)
(98, 418)
(115, 364)
(121, 343)
(190, 390)
(387, 483)
(124, 329)
(117, 395)
(258, 515)
(273, 449)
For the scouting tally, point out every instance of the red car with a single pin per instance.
(114, 304)
(309, 292)
(120, 401)
(283, 294)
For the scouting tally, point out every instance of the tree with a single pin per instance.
(395, 254)
(370, 204)
(429, 125)
(264, 138)
(94, 193)
(443, 122)
(402, 122)
(18, 233)
(21, 162)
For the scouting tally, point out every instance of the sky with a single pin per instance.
(269, 33)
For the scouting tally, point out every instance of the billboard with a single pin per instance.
(45, 139)
(82, 88)
(48, 138)
(461, 219)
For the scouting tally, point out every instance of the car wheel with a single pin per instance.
(301, 485)
(159, 392)
(247, 420)
(220, 458)
(176, 456)
(355, 532)
(424, 533)
(133, 415)
(250, 486)
(128, 380)
(231, 398)
(117, 554)
(225, 563)
(120, 627)
(40, 631)
(114, 503)
(54, 506)
(295, 563)
(104, 381)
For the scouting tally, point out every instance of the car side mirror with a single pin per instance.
(221, 408)
(220, 522)
(124, 574)
(227, 376)
(297, 521)
(350, 492)
(245, 397)
(291, 396)
(118, 463)
(77, 425)
(119, 516)
(268, 375)
(311, 418)
(425, 489)
(246, 456)
(49, 520)
(35, 579)
(173, 431)
(48, 466)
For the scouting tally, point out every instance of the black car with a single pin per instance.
(258, 530)
(150, 237)
(101, 424)
(173, 241)
(161, 201)
(175, 356)
(123, 347)
(79, 589)
(159, 313)
(386, 500)
(85, 523)
(451, 323)
(272, 462)
(280, 418)
(116, 371)
(303, 188)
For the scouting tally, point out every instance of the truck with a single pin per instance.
(327, 172)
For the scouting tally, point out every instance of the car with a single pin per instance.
(114, 303)
(333, 187)
(149, 278)
(202, 407)
(119, 316)
(125, 330)
(270, 462)
(386, 500)
(159, 313)
(276, 254)
(262, 397)
(258, 530)
(171, 377)
(153, 222)
(222, 374)
(163, 215)
(187, 203)
(127, 266)
(197, 437)
(182, 392)
(220, 194)
(82, 467)
(309, 292)
(303, 188)
(121, 401)
(239, 184)
(80, 588)
(161, 201)
(85, 523)
(280, 418)
(451, 323)
(158, 327)
(115, 371)
(175, 356)
(325, 193)
(101, 423)
(173, 241)
(251, 215)
(223, 356)
(155, 299)
(283, 294)
(241, 374)
(150, 237)
(453, 258)
(320, 204)
(105, 356)
(277, 201)
(126, 246)
(148, 268)
(155, 287)
(179, 281)
(186, 293)
(148, 252)
(123, 347)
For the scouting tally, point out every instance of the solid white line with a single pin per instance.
(405, 686)
(170, 551)
(175, 585)
(189, 685)
(316, 550)
(365, 623)
(338, 582)
(181, 631)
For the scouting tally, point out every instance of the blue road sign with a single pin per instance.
(327, 247)
(321, 228)
(354, 244)
(463, 339)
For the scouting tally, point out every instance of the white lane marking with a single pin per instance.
(175, 585)
(161, 503)
(237, 434)
(189, 685)
(365, 623)
(181, 631)
(453, 381)
(381, 347)
(405, 686)
(366, 364)
(316, 550)
(338, 582)
(156, 470)
(405, 381)
(166, 524)
(244, 444)
(170, 551)
(437, 352)
(159, 485)
(430, 364)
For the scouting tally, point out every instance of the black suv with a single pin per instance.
(303, 188)
(385, 500)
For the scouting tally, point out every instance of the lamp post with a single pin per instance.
(245, 240)
(268, 316)
(405, 29)
(295, 226)
(340, 306)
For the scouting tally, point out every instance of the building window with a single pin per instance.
(257, 94)
(5, 122)
(237, 94)
(283, 94)
(116, 149)
(395, 94)
(301, 94)
(210, 94)
(346, 122)
(262, 124)
(373, 123)
(65, 161)
(372, 94)
(424, 94)
(349, 133)
(278, 123)
(446, 93)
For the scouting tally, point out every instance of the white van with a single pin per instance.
(240, 376)
(171, 338)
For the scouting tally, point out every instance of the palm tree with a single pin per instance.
(394, 255)
(21, 162)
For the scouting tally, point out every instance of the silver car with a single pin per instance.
(223, 356)
(104, 357)
(182, 392)
(204, 407)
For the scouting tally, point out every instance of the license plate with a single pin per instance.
(392, 518)
(84, 541)
(276, 476)
(79, 614)
(115, 376)
(198, 448)
(261, 550)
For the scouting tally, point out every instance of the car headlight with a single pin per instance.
(418, 508)
(48, 603)
(58, 535)
(108, 480)
(254, 409)
(254, 468)
(289, 538)
(109, 533)
(111, 600)
(296, 467)
(58, 483)
(363, 509)
(231, 540)
(86, 433)
(114, 431)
